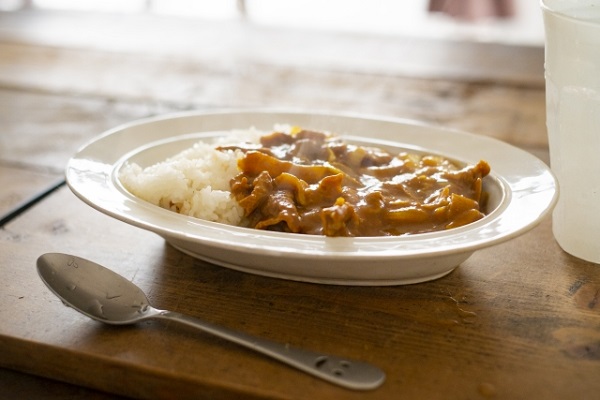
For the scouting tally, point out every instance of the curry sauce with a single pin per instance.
(313, 183)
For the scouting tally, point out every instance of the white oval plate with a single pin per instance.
(522, 191)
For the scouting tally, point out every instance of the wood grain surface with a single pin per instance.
(520, 320)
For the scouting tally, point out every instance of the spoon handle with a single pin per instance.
(341, 371)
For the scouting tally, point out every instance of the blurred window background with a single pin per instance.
(475, 20)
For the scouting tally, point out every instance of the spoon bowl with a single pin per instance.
(93, 290)
(106, 296)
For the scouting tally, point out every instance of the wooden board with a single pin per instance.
(518, 320)
(21, 187)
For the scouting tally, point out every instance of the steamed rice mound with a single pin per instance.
(194, 182)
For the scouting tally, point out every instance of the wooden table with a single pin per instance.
(520, 320)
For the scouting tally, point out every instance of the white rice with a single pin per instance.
(194, 182)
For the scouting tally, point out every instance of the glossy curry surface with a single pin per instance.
(313, 183)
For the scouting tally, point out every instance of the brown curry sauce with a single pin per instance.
(312, 183)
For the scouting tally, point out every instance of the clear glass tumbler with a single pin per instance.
(572, 66)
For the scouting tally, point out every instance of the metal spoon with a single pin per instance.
(106, 296)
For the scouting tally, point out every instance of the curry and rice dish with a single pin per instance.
(314, 183)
